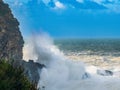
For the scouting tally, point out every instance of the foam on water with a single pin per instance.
(61, 73)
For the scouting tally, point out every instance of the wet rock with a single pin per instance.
(86, 75)
(105, 72)
(32, 70)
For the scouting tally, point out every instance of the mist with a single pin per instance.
(61, 73)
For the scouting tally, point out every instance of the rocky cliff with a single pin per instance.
(11, 41)
(32, 70)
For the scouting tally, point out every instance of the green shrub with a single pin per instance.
(12, 78)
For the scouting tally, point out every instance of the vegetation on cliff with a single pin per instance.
(13, 78)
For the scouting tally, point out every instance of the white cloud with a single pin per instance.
(16, 2)
(46, 1)
(111, 0)
(102, 1)
(59, 5)
(80, 1)
(114, 6)
(98, 1)
(21, 1)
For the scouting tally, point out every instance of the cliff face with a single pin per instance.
(32, 70)
(11, 41)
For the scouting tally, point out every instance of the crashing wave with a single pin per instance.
(60, 73)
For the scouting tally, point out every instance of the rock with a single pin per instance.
(86, 76)
(11, 43)
(32, 70)
(105, 72)
(11, 40)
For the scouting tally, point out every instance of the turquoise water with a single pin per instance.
(91, 46)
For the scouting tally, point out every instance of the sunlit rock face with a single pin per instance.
(11, 41)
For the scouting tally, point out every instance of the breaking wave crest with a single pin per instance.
(61, 73)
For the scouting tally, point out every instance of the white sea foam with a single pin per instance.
(61, 73)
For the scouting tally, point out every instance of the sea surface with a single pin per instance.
(104, 53)
(77, 64)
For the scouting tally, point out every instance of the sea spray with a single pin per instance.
(61, 73)
(40, 48)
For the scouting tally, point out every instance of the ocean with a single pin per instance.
(75, 64)
(104, 53)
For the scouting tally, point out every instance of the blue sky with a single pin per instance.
(68, 18)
